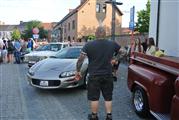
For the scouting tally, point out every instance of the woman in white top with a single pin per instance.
(137, 46)
(151, 47)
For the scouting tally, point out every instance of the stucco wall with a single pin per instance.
(87, 21)
(107, 21)
(168, 26)
(72, 33)
(178, 27)
(153, 19)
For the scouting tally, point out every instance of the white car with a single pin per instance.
(44, 52)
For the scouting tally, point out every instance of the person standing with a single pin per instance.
(137, 46)
(10, 50)
(144, 44)
(30, 45)
(17, 53)
(1, 50)
(151, 49)
(5, 51)
(100, 53)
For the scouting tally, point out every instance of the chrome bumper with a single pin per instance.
(69, 82)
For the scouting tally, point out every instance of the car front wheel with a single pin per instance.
(140, 102)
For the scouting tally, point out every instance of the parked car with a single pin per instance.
(154, 82)
(58, 71)
(43, 52)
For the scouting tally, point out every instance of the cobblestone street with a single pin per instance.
(20, 101)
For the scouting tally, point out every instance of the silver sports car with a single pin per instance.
(58, 71)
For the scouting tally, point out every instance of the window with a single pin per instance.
(65, 45)
(73, 24)
(104, 8)
(69, 53)
(68, 26)
(65, 30)
(98, 7)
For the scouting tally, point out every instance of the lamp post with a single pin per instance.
(113, 25)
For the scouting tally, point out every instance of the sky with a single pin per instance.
(14, 11)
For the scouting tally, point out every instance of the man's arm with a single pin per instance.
(79, 65)
(80, 61)
(120, 54)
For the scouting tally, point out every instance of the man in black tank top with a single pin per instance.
(100, 53)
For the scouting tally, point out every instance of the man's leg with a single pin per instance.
(15, 56)
(107, 91)
(18, 57)
(108, 106)
(94, 106)
(93, 88)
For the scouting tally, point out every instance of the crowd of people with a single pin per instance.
(148, 47)
(11, 51)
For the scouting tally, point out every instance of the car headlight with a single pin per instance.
(26, 58)
(31, 72)
(67, 74)
(43, 57)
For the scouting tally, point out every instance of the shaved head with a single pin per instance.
(100, 32)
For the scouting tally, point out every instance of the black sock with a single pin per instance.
(94, 115)
(109, 114)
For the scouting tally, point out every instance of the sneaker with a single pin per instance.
(109, 117)
(92, 117)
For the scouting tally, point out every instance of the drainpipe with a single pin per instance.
(158, 22)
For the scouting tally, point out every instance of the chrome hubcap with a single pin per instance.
(138, 100)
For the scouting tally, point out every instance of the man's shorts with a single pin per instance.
(97, 84)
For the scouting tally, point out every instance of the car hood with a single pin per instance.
(41, 53)
(51, 68)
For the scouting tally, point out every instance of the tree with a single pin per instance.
(34, 24)
(91, 37)
(16, 35)
(43, 33)
(142, 24)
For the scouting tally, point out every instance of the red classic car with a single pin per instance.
(154, 82)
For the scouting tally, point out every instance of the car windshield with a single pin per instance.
(51, 47)
(68, 53)
(39, 48)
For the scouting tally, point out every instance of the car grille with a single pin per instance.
(33, 58)
(51, 83)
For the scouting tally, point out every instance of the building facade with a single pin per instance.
(84, 20)
(164, 25)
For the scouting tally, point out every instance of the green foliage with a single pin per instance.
(16, 35)
(34, 24)
(91, 37)
(43, 33)
(142, 24)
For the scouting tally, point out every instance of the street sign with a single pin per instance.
(35, 36)
(35, 30)
(132, 13)
(131, 25)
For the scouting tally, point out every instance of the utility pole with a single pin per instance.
(113, 25)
